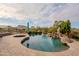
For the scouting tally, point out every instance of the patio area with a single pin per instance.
(11, 46)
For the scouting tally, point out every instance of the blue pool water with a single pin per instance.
(45, 43)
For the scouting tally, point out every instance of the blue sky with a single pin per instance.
(42, 15)
(75, 24)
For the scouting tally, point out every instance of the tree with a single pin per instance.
(44, 30)
(33, 29)
(65, 26)
(52, 29)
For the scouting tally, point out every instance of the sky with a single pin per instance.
(38, 14)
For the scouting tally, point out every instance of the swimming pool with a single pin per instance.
(44, 43)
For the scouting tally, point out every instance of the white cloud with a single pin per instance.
(21, 10)
(6, 11)
(69, 12)
(40, 11)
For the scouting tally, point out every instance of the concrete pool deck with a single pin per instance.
(11, 46)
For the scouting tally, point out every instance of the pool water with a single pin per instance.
(45, 43)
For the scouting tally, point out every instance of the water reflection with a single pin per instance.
(44, 43)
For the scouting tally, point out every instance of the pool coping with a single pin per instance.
(15, 48)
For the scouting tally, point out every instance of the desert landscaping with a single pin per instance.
(40, 29)
(10, 46)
